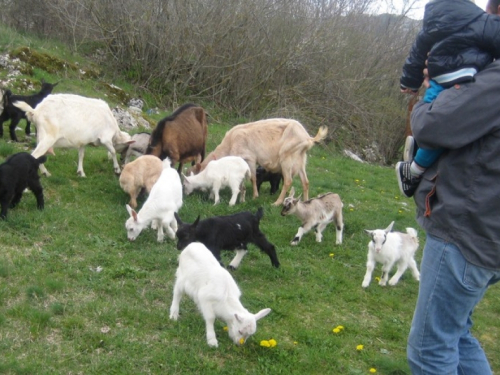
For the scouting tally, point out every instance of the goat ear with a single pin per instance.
(237, 318)
(132, 212)
(300, 196)
(196, 222)
(262, 313)
(389, 228)
(177, 217)
(368, 232)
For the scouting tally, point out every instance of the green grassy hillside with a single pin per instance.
(77, 297)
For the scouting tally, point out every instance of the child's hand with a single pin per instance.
(408, 91)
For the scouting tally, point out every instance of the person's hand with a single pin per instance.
(409, 91)
(426, 77)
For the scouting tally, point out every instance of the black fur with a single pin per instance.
(10, 111)
(18, 172)
(231, 232)
(274, 179)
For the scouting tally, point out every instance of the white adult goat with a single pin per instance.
(163, 201)
(74, 121)
(317, 212)
(388, 247)
(215, 292)
(227, 171)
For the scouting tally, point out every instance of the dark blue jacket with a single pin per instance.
(458, 38)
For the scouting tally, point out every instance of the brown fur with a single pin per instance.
(278, 145)
(181, 136)
(141, 173)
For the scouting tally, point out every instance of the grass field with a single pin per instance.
(77, 298)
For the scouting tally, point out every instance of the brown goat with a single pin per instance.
(142, 173)
(181, 136)
(278, 145)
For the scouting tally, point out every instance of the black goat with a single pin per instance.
(274, 179)
(18, 172)
(231, 232)
(15, 114)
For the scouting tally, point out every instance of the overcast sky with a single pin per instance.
(419, 5)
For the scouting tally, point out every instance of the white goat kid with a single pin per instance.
(391, 248)
(227, 171)
(215, 292)
(317, 212)
(163, 201)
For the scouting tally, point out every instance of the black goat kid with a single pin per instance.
(274, 179)
(231, 232)
(15, 114)
(18, 172)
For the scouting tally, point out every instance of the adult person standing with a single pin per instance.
(458, 206)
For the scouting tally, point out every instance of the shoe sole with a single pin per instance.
(398, 177)
(409, 149)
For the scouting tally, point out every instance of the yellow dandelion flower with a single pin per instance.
(377, 278)
(265, 343)
(332, 255)
(340, 327)
(356, 180)
(295, 343)
(351, 209)
(359, 347)
(336, 330)
(242, 341)
(373, 371)
(226, 329)
(272, 343)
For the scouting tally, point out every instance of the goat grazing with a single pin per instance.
(15, 114)
(229, 171)
(274, 179)
(232, 232)
(316, 212)
(138, 148)
(163, 201)
(216, 294)
(181, 136)
(18, 172)
(278, 145)
(142, 173)
(388, 247)
(73, 121)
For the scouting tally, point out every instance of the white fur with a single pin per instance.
(391, 248)
(316, 212)
(229, 171)
(163, 201)
(73, 121)
(215, 292)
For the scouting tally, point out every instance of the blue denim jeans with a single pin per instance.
(440, 341)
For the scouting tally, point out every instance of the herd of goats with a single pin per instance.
(271, 150)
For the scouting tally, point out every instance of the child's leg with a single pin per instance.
(424, 159)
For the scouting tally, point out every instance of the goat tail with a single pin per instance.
(260, 213)
(322, 133)
(26, 108)
(413, 234)
(42, 159)
(167, 163)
